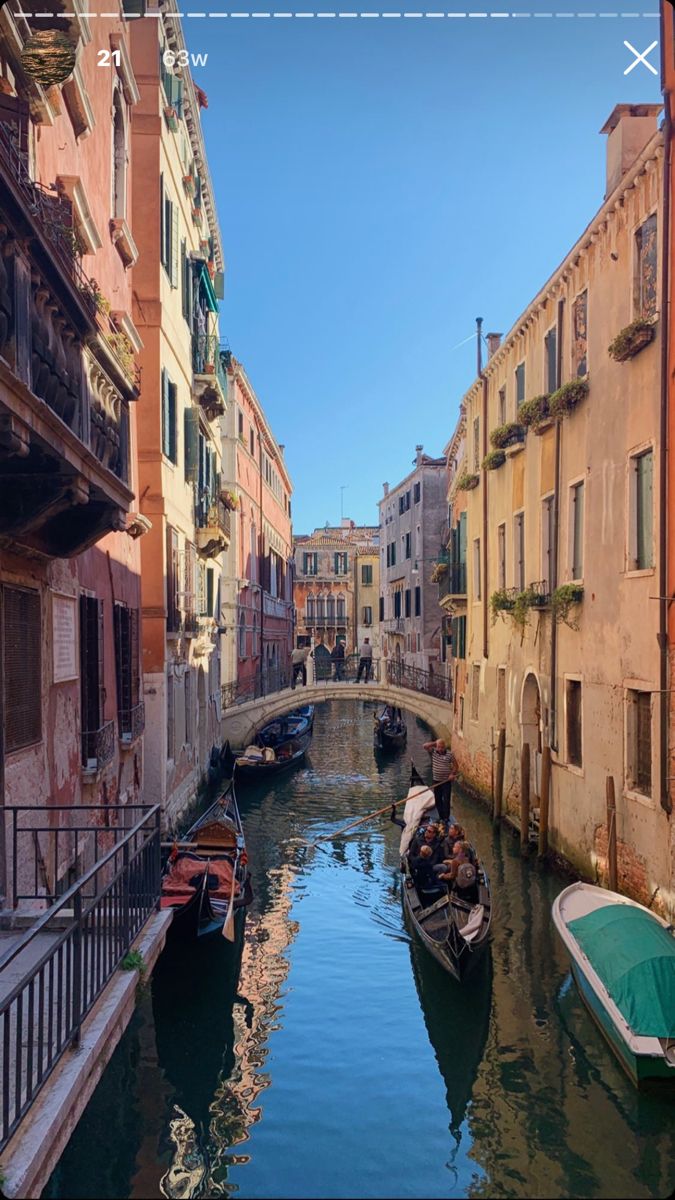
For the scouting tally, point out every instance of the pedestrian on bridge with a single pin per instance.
(365, 660)
(338, 656)
(299, 665)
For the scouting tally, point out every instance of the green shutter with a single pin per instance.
(645, 510)
(192, 445)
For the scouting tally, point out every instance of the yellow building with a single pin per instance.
(367, 597)
(562, 535)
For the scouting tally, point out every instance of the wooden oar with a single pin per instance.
(326, 837)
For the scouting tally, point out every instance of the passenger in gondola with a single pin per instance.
(424, 876)
(455, 834)
(460, 874)
(427, 835)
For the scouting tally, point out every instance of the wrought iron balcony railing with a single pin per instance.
(206, 360)
(98, 746)
(453, 582)
(131, 722)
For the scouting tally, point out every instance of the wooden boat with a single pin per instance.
(623, 962)
(287, 755)
(454, 930)
(389, 734)
(287, 728)
(203, 867)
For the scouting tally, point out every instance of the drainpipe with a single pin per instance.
(664, 603)
(484, 419)
(553, 727)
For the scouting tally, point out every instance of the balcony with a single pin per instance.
(209, 383)
(394, 625)
(131, 723)
(453, 584)
(64, 415)
(213, 527)
(98, 747)
(332, 621)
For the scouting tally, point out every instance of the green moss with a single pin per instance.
(533, 412)
(493, 460)
(567, 397)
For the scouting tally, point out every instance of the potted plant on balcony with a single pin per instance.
(189, 183)
(171, 117)
(563, 599)
(565, 400)
(494, 460)
(196, 214)
(535, 414)
(507, 435)
(230, 499)
(123, 351)
(501, 602)
(631, 340)
(468, 481)
(439, 572)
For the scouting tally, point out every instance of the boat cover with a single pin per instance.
(419, 800)
(634, 957)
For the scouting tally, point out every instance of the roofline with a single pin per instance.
(264, 428)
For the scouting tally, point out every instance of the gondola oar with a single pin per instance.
(228, 924)
(326, 837)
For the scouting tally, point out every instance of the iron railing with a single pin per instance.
(67, 957)
(346, 670)
(253, 687)
(329, 621)
(540, 594)
(404, 676)
(206, 358)
(394, 625)
(453, 582)
(98, 746)
(131, 722)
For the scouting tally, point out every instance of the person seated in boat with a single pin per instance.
(427, 835)
(424, 876)
(454, 834)
(460, 873)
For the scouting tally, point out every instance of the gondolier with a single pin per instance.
(444, 772)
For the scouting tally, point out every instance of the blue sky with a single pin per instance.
(380, 183)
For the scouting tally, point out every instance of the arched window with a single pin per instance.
(321, 608)
(331, 610)
(310, 608)
(341, 609)
(119, 196)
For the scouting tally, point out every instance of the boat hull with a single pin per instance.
(458, 964)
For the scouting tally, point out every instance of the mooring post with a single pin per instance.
(499, 778)
(524, 797)
(611, 835)
(544, 800)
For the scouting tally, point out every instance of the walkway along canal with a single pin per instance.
(344, 1061)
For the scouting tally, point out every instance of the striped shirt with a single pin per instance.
(443, 766)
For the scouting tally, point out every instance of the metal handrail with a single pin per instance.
(418, 680)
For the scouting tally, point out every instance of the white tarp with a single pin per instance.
(419, 801)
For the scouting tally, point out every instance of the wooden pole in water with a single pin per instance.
(611, 836)
(544, 800)
(499, 784)
(524, 797)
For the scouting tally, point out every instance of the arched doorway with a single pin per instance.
(531, 729)
(322, 662)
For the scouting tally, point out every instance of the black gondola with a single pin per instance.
(198, 875)
(287, 755)
(454, 930)
(390, 731)
(288, 728)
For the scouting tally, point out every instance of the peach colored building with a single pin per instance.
(337, 588)
(71, 729)
(176, 281)
(258, 583)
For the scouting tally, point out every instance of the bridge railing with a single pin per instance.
(401, 675)
(345, 670)
(253, 687)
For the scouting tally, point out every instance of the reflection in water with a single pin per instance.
(341, 1060)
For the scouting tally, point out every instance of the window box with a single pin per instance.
(535, 414)
(190, 185)
(568, 397)
(564, 598)
(171, 117)
(507, 435)
(467, 482)
(197, 215)
(502, 601)
(123, 242)
(632, 340)
(494, 460)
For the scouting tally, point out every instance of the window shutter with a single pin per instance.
(162, 220)
(192, 445)
(644, 514)
(166, 435)
(174, 245)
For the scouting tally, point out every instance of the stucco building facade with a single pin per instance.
(337, 587)
(177, 284)
(563, 529)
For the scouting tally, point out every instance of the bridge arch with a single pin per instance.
(241, 722)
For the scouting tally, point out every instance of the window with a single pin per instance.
(321, 609)
(367, 615)
(417, 492)
(253, 556)
(501, 697)
(242, 635)
(310, 564)
(642, 511)
(251, 436)
(188, 707)
(418, 601)
(340, 563)
(407, 602)
(366, 574)
(393, 554)
(406, 540)
(21, 666)
(91, 675)
(458, 636)
(310, 609)
(573, 722)
(330, 610)
(172, 576)
(341, 615)
(551, 360)
(501, 407)
(461, 714)
(187, 295)
(520, 384)
(404, 502)
(170, 716)
(476, 443)
(382, 608)
(476, 568)
(169, 418)
(210, 594)
(577, 530)
(127, 666)
(240, 425)
(119, 172)
(397, 603)
(547, 540)
(639, 742)
(475, 690)
(580, 335)
(168, 234)
(519, 551)
(645, 297)
(501, 556)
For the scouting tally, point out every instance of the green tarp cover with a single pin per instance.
(634, 957)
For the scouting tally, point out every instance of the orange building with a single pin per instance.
(666, 483)
(72, 714)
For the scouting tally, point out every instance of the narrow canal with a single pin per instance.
(344, 1062)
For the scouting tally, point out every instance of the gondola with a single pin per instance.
(198, 874)
(388, 733)
(455, 931)
(288, 728)
(249, 766)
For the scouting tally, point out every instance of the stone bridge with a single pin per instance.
(240, 722)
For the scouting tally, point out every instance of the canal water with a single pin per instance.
(341, 1060)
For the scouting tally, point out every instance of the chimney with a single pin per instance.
(385, 489)
(346, 523)
(629, 127)
(418, 455)
(494, 341)
(281, 448)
